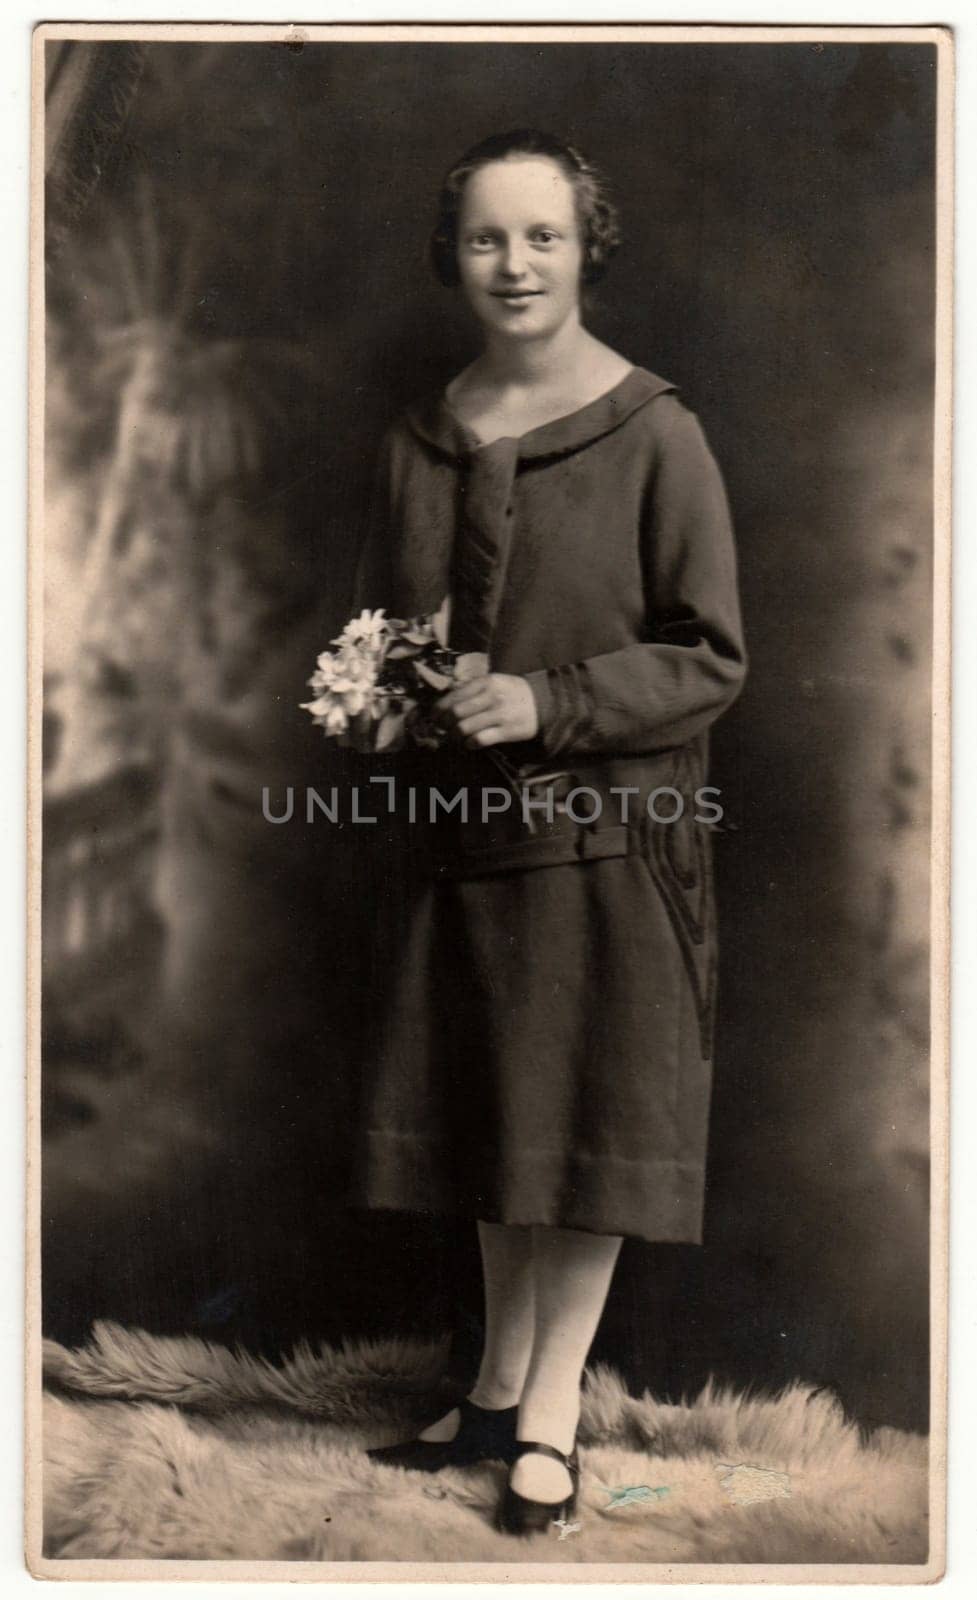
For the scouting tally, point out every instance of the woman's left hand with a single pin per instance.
(495, 708)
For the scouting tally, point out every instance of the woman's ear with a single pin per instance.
(593, 264)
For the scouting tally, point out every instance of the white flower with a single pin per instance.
(355, 681)
(326, 666)
(369, 628)
(329, 713)
(329, 668)
(354, 701)
(353, 668)
(318, 707)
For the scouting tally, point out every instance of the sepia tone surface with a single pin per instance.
(234, 309)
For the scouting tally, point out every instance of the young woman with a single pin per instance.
(541, 1061)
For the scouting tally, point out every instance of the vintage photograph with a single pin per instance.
(489, 567)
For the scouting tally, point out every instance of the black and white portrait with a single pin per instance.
(486, 564)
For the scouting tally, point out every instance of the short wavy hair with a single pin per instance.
(597, 215)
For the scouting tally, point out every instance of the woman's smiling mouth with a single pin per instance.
(515, 296)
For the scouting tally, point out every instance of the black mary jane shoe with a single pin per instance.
(518, 1515)
(481, 1435)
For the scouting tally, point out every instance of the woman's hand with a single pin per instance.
(493, 708)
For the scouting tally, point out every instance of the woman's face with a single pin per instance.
(519, 247)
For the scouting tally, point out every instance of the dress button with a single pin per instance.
(508, 511)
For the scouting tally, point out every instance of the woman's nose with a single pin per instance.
(514, 259)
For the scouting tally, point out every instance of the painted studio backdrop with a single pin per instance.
(237, 302)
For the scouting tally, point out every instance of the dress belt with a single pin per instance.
(584, 843)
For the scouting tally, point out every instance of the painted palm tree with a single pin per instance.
(161, 486)
(192, 418)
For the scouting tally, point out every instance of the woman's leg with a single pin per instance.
(572, 1272)
(508, 1271)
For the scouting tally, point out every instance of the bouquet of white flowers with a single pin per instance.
(377, 684)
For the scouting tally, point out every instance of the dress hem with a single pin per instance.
(659, 1202)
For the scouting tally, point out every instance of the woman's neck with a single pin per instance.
(508, 362)
(513, 388)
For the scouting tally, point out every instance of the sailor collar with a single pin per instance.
(434, 421)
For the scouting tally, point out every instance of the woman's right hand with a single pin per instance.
(493, 708)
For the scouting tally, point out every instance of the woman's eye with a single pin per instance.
(482, 241)
(545, 235)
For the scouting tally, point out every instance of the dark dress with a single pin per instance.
(542, 1040)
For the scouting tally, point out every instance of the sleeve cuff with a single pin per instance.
(564, 704)
(539, 683)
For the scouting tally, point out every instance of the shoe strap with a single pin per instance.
(527, 1447)
(479, 1413)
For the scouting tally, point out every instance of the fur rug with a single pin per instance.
(175, 1449)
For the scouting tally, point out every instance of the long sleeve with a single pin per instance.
(663, 690)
